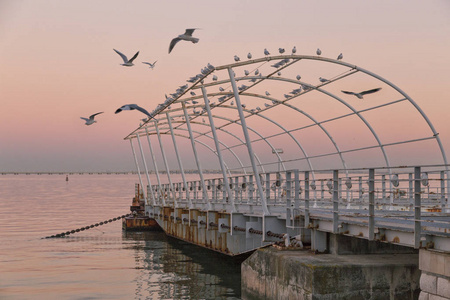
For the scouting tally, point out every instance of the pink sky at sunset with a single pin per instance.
(59, 65)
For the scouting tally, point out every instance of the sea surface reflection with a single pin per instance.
(103, 262)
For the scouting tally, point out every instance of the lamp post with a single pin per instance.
(278, 151)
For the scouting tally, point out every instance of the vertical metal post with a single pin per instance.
(335, 201)
(137, 166)
(155, 166)
(417, 208)
(237, 187)
(169, 121)
(411, 193)
(146, 172)
(371, 204)
(297, 190)
(383, 189)
(290, 215)
(268, 187)
(194, 149)
(250, 189)
(306, 198)
(443, 204)
(248, 142)
(163, 153)
(219, 153)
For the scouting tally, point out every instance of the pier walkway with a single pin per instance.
(301, 159)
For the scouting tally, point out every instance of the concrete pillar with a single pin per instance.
(435, 277)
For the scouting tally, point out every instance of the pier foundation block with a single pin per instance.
(435, 278)
(300, 274)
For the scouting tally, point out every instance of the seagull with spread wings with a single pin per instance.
(133, 107)
(186, 36)
(152, 65)
(90, 121)
(361, 94)
(127, 62)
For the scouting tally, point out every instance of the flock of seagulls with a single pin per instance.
(187, 36)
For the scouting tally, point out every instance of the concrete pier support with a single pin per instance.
(435, 278)
(300, 274)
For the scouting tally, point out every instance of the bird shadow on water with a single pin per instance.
(187, 271)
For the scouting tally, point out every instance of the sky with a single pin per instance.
(58, 63)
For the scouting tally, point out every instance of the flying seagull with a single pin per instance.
(91, 121)
(186, 36)
(132, 107)
(361, 94)
(126, 62)
(152, 65)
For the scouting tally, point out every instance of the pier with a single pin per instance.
(336, 182)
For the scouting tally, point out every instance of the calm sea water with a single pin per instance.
(100, 263)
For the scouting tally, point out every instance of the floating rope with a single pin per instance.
(63, 234)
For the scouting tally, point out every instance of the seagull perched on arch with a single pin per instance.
(186, 36)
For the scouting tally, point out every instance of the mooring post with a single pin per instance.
(335, 201)
(180, 164)
(218, 151)
(146, 172)
(248, 142)
(155, 165)
(371, 204)
(137, 167)
(417, 208)
(197, 161)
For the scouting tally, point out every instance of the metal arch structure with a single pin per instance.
(209, 80)
(253, 126)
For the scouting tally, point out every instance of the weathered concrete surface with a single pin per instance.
(273, 274)
(435, 279)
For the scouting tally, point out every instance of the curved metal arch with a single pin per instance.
(200, 142)
(342, 63)
(223, 144)
(251, 129)
(287, 131)
(332, 96)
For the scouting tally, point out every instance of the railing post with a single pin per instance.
(306, 198)
(268, 187)
(248, 142)
(410, 191)
(250, 189)
(335, 201)
(417, 208)
(383, 190)
(443, 202)
(371, 204)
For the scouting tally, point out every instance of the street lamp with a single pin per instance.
(278, 151)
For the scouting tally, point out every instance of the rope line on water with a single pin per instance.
(63, 234)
